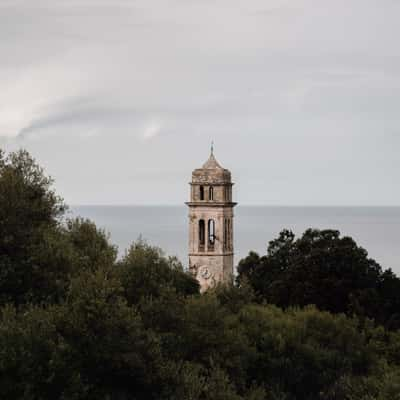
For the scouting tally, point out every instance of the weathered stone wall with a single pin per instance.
(215, 176)
(212, 262)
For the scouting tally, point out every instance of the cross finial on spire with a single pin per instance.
(212, 147)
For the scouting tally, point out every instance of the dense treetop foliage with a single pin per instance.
(76, 323)
(327, 270)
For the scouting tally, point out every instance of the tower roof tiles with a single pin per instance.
(211, 172)
(212, 163)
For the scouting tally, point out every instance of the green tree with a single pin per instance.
(327, 270)
(40, 250)
(158, 287)
(93, 346)
(34, 362)
(302, 354)
(30, 213)
(90, 245)
(145, 272)
(114, 354)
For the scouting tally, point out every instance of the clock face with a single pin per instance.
(205, 273)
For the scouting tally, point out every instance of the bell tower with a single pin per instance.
(211, 224)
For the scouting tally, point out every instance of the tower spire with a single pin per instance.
(212, 147)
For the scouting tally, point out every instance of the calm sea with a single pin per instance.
(377, 229)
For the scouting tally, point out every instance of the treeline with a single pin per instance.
(77, 323)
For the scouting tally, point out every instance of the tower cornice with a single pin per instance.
(209, 204)
(212, 183)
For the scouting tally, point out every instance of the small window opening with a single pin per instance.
(202, 235)
(211, 193)
(226, 234)
(228, 239)
(201, 193)
(211, 234)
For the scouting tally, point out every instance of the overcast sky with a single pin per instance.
(119, 100)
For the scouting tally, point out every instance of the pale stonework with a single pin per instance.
(211, 256)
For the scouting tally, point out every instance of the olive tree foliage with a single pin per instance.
(146, 272)
(93, 346)
(90, 245)
(40, 249)
(30, 213)
(327, 270)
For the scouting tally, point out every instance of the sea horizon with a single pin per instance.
(72, 205)
(375, 228)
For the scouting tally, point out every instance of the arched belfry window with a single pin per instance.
(211, 193)
(211, 234)
(202, 234)
(201, 192)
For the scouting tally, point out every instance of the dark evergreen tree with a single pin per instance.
(327, 270)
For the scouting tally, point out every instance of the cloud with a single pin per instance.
(76, 112)
(288, 84)
(151, 130)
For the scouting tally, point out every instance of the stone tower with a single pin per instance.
(211, 224)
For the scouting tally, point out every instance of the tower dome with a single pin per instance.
(211, 163)
(211, 173)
